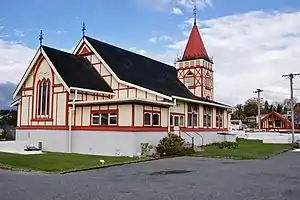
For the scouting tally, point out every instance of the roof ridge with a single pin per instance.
(61, 51)
(123, 49)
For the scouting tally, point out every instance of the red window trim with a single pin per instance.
(179, 115)
(151, 119)
(104, 111)
(50, 91)
(219, 114)
(211, 116)
(198, 114)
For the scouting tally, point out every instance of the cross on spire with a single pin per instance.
(83, 29)
(195, 12)
(41, 37)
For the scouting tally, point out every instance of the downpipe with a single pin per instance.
(71, 111)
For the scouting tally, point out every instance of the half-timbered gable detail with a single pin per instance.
(194, 69)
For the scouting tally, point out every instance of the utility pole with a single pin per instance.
(258, 91)
(291, 76)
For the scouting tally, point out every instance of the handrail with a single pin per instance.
(202, 139)
(190, 137)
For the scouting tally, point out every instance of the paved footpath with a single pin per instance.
(178, 178)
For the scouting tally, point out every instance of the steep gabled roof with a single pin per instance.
(76, 71)
(273, 112)
(195, 47)
(143, 71)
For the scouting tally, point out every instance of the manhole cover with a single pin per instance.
(170, 172)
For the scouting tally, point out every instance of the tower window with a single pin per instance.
(207, 80)
(189, 80)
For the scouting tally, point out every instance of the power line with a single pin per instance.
(291, 77)
(258, 91)
(273, 83)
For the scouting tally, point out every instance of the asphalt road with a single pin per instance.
(180, 178)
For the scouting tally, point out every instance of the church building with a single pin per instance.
(102, 99)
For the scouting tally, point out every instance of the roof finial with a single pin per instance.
(83, 29)
(41, 38)
(195, 12)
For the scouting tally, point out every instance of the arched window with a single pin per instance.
(207, 80)
(147, 119)
(189, 79)
(155, 119)
(43, 98)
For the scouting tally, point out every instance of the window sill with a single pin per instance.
(42, 119)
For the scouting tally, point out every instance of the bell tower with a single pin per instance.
(195, 68)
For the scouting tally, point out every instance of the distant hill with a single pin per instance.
(6, 92)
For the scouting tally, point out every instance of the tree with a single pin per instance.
(250, 107)
(238, 114)
(266, 108)
(279, 108)
(287, 104)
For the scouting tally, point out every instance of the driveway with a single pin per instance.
(178, 178)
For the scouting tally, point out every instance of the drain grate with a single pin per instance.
(170, 172)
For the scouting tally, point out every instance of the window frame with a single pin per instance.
(192, 115)
(219, 117)
(189, 76)
(43, 99)
(109, 113)
(180, 117)
(152, 113)
(207, 116)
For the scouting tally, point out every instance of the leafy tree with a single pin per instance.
(238, 114)
(8, 118)
(250, 107)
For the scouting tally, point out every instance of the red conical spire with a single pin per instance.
(195, 47)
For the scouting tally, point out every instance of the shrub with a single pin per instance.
(146, 148)
(170, 145)
(173, 145)
(228, 145)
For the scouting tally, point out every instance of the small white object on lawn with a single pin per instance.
(102, 162)
(139, 155)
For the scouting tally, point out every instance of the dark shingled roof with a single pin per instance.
(143, 71)
(76, 71)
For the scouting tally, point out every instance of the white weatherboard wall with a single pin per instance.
(52, 140)
(109, 143)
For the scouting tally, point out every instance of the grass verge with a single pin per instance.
(60, 162)
(247, 149)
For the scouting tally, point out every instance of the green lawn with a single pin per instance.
(57, 162)
(247, 149)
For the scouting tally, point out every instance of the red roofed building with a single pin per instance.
(195, 68)
(275, 121)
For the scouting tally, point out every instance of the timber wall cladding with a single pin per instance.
(202, 73)
(121, 91)
(27, 115)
